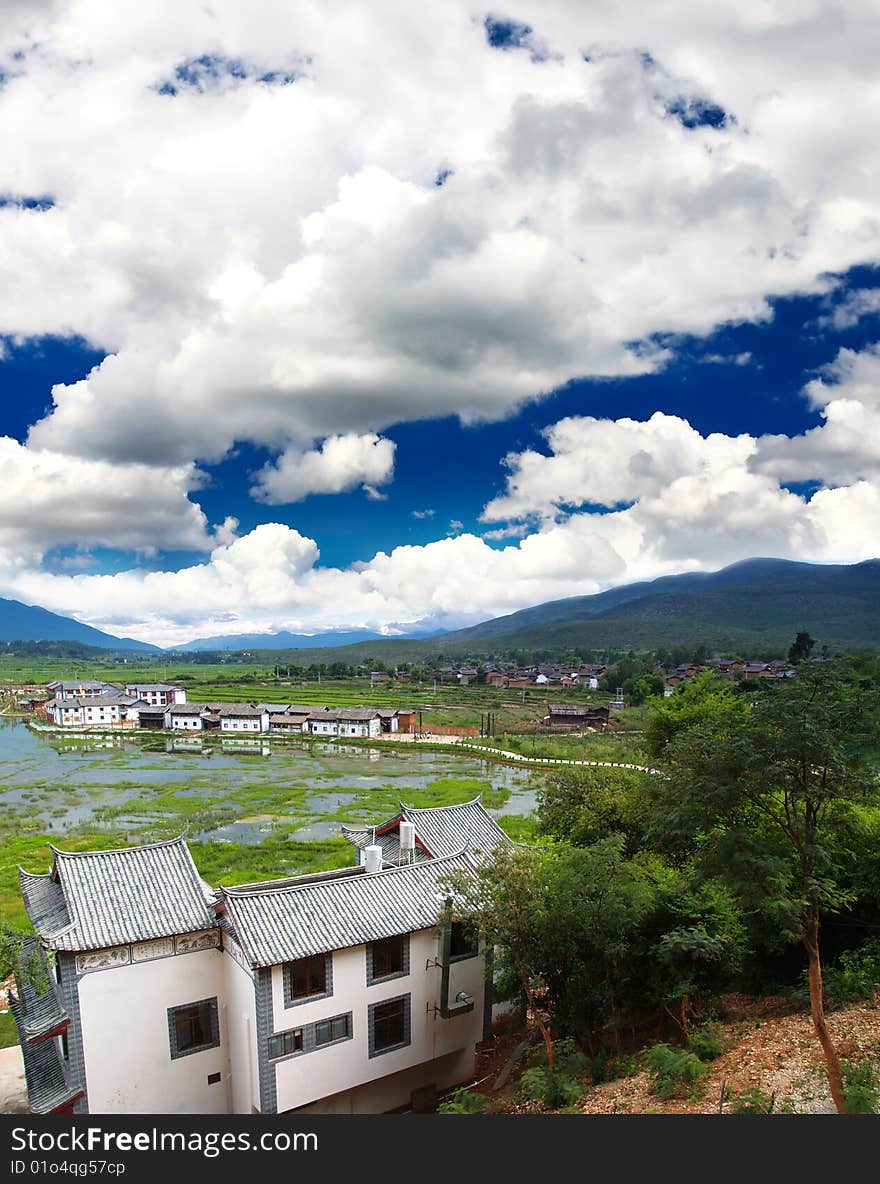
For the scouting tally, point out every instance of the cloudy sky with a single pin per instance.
(366, 313)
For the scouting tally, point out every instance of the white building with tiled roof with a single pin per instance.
(341, 992)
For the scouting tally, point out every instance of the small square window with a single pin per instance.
(193, 1028)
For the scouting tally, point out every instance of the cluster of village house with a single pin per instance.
(733, 668)
(551, 674)
(96, 704)
(588, 674)
(351, 991)
(91, 703)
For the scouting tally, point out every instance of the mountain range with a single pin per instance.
(757, 603)
(28, 622)
(287, 641)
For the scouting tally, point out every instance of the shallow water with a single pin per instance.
(238, 791)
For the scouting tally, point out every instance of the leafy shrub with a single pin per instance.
(607, 1067)
(751, 1101)
(675, 1070)
(553, 1088)
(465, 1101)
(861, 1087)
(568, 1057)
(707, 1042)
(855, 976)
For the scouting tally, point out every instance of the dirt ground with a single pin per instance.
(766, 1046)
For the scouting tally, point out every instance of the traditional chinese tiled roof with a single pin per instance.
(317, 914)
(440, 831)
(40, 1009)
(95, 899)
(49, 1090)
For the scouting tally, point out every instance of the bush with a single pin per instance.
(465, 1101)
(751, 1101)
(861, 1087)
(707, 1042)
(675, 1070)
(553, 1088)
(607, 1067)
(568, 1057)
(856, 976)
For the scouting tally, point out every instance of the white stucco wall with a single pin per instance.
(129, 1068)
(242, 1029)
(327, 1071)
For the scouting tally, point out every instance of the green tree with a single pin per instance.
(770, 799)
(582, 805)
(801, 647)
(564, 921)
(694, 703)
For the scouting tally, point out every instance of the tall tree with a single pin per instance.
(770, 798)
(801, 647)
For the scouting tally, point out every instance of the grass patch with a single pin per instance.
(8, 1030)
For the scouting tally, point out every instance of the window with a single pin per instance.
(308, 978)
(388, 958)
(193, 1028)
(463, 941)
(326, 1031)
(389, 1025)
(286, 1043)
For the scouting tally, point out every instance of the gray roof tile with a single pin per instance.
(275, 925)
(441, 829)
(115, 897)
(48, 1087)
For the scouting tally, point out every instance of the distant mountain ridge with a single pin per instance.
(290, 641)
(757, 603)
(755, 599)
(29, 622)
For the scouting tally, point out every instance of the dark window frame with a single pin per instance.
(210, 1021)
(405, 1002)
(388, 976)
(291, 1000)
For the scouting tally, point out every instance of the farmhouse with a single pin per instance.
(348, 721)
(94, 710)
(571, 715)
(157, 694)
(340, 992)
(81, 689)
(187, 717)
(241, 717)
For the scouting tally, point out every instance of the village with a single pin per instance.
(95, 704)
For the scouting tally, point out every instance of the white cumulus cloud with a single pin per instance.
(341, 463)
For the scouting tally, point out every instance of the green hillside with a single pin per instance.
(751, 607)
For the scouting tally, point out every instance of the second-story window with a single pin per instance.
(308, 978)
(388, 958)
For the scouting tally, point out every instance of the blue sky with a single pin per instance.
(261, 370)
